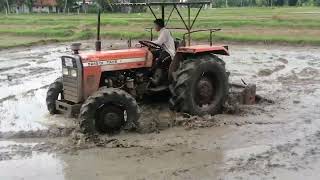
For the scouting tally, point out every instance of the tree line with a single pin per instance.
(243, 3)
(62, 5)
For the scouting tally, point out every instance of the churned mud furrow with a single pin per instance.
(13, 67)
(275, 139)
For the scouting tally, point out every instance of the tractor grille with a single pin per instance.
(71, 89)
(72, 76)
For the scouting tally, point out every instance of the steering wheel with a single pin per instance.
(151, 45)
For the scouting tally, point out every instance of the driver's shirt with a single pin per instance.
(166, 41)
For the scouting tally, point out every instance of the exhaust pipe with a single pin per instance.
(98, 41)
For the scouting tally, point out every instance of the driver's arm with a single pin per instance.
(161, 39)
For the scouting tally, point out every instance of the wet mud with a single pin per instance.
(278, 138)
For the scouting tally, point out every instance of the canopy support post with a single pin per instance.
(98, 41)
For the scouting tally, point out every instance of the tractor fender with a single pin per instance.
(217, 49)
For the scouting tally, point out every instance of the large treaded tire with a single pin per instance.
(53, 92)
(107, 96)
(184, 82)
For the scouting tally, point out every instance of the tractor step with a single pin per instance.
(70, 110)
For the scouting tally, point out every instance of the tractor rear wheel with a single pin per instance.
(107, 111)
(200, 86)
(55, 89)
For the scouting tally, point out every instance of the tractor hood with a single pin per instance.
(118, 59)
(112, 55)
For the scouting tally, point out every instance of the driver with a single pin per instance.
(165, 56)
(165, 40)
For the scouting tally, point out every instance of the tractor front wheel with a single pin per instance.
(200, 86)
(108, 110)
(55, 89)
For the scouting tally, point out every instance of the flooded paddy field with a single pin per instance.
(279, 140)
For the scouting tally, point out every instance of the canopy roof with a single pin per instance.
(188, 23)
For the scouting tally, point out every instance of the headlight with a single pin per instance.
(73, 73)
(68, 62)
(65, 71)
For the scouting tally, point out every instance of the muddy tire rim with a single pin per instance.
(205, 91)
(94, 111)
(110, 117)
(200, 86)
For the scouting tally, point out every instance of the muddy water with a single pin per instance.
(264, 141)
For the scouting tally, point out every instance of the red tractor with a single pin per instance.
(103, 87)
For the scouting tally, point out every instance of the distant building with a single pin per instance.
(45, 6)
(129, 9)
(20, 8)
(86, 2)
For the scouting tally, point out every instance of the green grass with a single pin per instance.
(298, 25)
(44, 32)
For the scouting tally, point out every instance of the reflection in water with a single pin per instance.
(38, 167)
(102, 163)
(141, 163)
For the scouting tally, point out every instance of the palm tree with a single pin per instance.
(109, 4)
(84, 6)
(8, 7)
(65, 6)
(29, 3)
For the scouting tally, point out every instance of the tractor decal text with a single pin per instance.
(113, 62)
